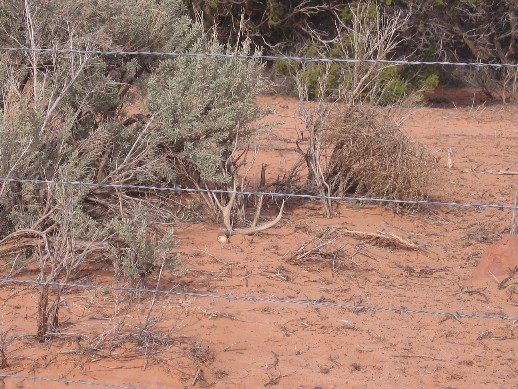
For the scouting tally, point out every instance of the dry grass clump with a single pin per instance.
(322, 247)
(372, 156)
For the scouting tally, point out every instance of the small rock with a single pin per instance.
(222, 239)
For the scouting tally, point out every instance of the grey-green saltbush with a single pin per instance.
(205, 107)
(63, 119)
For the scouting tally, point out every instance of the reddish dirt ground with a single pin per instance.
(462, 266)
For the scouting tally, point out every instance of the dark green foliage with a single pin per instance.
(285, 23)
(437, 30)
(444, 25)
(363, 33)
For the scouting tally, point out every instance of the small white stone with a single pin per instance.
(222, 239)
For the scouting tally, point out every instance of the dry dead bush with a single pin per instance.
(372, 156)
(324, 247)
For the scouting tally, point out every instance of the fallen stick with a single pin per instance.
(22, 239)
(384, 238)
(512, 273)
(196, 376)
(499, 172)
(514, 230)
(421, 356)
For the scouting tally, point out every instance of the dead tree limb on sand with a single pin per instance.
(226, 211)
(384, 238)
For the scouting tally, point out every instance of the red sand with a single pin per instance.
(237, 344)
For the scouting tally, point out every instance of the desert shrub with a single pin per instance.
(364, 31)
(372, 156)
(271, 23)
(204, 108)
(60, 120)
(138, 249)
(64, 118)
(453, 30)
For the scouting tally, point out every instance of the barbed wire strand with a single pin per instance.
(67, 381)
(177, 54)
(351, 307)
(254, 193)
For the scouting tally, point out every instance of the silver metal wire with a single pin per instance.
(354, 308)
(67, 381)
(251, 57)
(255, 193)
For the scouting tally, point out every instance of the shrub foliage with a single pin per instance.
(372, 156)
(81, 117)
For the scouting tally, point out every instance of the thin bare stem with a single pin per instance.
(146, 322)
(514, 229)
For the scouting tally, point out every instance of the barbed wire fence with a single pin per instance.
(178, 54)
(67, 381)
(320, 303)
(179, 189)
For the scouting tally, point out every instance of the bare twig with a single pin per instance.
(196, 376)
(13, 167)
(146, 322)
(514, 229)
(499, 172)
(512, 273)
(421, 356)
(385, 238)
(450, 162)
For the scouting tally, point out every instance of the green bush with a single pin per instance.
(366, 32)
(204, 108)
(65, 117)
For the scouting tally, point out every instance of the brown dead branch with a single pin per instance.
(514, 229)
(326, 249)
(23, 239)
(504, 282)
(384, 238)
(226, 211)
(499, 172)
(313, 247)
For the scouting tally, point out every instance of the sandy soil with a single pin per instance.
(185, 341)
